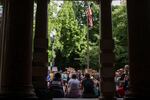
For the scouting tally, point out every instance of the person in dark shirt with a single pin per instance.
(88, 87)
(56, 87)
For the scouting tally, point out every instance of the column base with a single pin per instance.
(107, 98)
(42, 93)
(39, 83)
(17, 93)
(12, 96)
(136, 96)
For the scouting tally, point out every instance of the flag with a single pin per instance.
(89, 17)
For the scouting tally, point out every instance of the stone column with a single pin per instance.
(107, 55)
(16, 82)
(2, 36)
(40, 55)
(1, 41)
(139, 63)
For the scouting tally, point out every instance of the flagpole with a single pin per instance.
(89, 26)
(88, 53)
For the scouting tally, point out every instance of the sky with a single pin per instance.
(0, 10)
(114, 2)
(117, 2)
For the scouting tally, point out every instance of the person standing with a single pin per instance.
(74, 87)
(87, 86)
(56, 87)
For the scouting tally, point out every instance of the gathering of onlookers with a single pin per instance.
(122, 81)
(74, 84)
(78, 84)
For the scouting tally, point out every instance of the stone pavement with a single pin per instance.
(80, 99)
(75, 99)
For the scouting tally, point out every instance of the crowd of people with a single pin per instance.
(77, 84)
(122, 81)
(74, 84)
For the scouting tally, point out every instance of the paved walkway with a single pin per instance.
(75, 99)
(80, 99)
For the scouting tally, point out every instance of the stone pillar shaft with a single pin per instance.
(3, 36)
(40, 57)
(16, 81)
(1, 39)
(138, 33)
(41, 19)
(107, 55)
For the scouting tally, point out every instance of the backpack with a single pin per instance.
(88, 86)
(88, 92)
(56, 89)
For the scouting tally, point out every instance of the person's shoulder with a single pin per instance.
(69, 80)
(84, 81)
(77, 79)
(56, 82)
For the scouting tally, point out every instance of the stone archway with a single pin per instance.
(40, 58)
(16, 79)
(40, 48)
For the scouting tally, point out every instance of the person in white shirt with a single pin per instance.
(74, 87)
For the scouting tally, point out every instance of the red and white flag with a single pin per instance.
(89, 17)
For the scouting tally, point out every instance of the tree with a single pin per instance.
(53, 26)
(80, 9)
(120, 35)
(71, 30)
(71, 36)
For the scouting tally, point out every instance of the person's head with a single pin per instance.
(74, 76)
(57, 76)
(126, 67)
(87, 75)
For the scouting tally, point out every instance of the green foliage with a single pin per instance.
(1, 2)
(94, 37)
(120, 35)
(71, 34)
(69, 38)
(53, 25)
